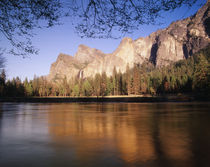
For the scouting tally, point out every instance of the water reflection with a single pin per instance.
(107, 134)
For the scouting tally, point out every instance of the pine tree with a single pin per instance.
(136, 80)
(128, 79)
(109, 86)
(97, 85)
(115, 81)
(201, 78)
(28, 88)
(35, 85)
(87, 88)
(76, 90)
(63, 87)
(103, 84)
(2, 83)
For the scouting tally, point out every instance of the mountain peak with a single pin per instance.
(86, 54)
(176, 42)
(64, 57)
(82, 46)
(127, 40)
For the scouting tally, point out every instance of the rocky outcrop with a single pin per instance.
(178, 41)
(86, 55)
(65, 65)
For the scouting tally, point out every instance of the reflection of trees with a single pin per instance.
(200, 135)
(170, 136)
(137, 133)
(1, 113)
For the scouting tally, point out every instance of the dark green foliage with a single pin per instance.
(14, 88)
(28, 88)
(87, 89)
(128, 80)
(201, 77)
(2, 82)
(136, 79)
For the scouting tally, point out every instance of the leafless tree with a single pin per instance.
(91, 18)
(103, 18)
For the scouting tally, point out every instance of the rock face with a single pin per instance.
(179, 41)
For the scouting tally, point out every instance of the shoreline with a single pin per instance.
(120, 99)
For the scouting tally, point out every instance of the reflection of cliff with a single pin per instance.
(134, 147)
(132, 132)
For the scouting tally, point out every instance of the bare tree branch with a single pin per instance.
(92, 18)
(19, 18)
(124, 16)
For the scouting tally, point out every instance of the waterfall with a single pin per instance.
(80, 74)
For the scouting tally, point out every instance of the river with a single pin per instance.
(105, 134)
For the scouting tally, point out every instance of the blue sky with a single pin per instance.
(63, 39)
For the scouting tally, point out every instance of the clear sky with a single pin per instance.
(63, 39)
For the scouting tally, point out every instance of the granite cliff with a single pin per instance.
(178, 41)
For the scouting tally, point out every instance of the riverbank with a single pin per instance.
(136, 99)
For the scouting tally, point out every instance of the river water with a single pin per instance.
(105, 134)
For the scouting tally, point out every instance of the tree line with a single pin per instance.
(186, 76)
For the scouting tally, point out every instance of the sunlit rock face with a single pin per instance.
(87, 55)
(182, 38)
(65, 65)
(176, 42)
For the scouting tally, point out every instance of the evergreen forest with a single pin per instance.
(190, 76)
